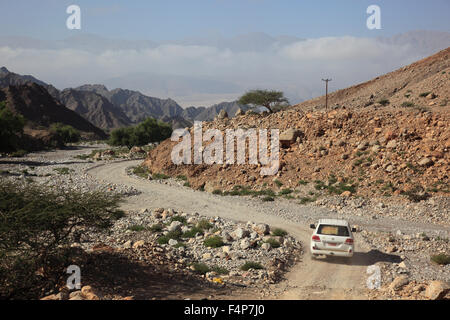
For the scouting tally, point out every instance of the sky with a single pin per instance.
(207, 51)
(177, 19)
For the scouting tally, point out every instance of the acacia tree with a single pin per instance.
(265, 98)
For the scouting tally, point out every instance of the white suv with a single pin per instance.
(332, 237)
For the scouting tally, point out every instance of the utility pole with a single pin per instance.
(326, 93)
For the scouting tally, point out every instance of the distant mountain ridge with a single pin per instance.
(110, 109)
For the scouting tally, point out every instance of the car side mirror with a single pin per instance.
(353, 229)
(312, 226)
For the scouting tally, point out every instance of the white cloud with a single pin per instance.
(297, 68)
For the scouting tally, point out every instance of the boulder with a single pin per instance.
(398, 283)
(240, 233)
(288, 137)
(262, 229)
(437, 290)
(174, 226)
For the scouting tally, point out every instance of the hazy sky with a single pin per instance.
(207, 51)
(176, 19)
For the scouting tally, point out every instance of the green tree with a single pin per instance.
(270, 99)
(11, 128)
(66, 133)
(37, 226)
(150, 130)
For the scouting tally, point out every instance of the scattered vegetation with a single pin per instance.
(213, 242)
(277, 232)
(63, 170)
(137, 228)
(273, 242)
(384, 102)
(251, 265)
(442, 259)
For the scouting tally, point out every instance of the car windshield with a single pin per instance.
(330, 230)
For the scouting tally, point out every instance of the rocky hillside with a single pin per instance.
(95, 108)
(41, 110)
(364, 146)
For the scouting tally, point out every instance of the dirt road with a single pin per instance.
(310, 279)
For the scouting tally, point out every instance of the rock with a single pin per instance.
(266, 246)
(437, 290)
(391, 144)
(173, 242)
(398, 283)
(222, 115)
(245, 244)
(288, 137)
(262, 229)
(362, 146)
(88, 293)
(226, 249)
(128, 244)
(138, 244)
(226, 236)
(402, 265)
(50, 297)
(239, 112)
(425, 162)
(346, 194)
(76, 295)
(240, 234)
(137, 150)
(174, 226)
(207, 256)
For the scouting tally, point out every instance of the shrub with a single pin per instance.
(278, 182)
(201, 268)
(156, 228)
(407, 104)
(213, 242)
(181, 177)
(219, 270)
(141, 171)
(303, 182)
(179, 219)
(268, 199)
(11, 128)
(273, 242)
(217, 192)
(424, 94)
(204, 224)
(442, 259)
(160, 176)
(384, 102)
(148, 131)
(277, 232)
(192, 233)
(65, 133)
(63, 171)
(251, 265)
(416, 194)
(286, 191)
(38, 226)
(137, 228)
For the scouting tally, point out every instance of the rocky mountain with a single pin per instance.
(95, 108)
(138, 106)
(41, 110)
(109, 109)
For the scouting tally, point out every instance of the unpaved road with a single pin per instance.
(331, 278)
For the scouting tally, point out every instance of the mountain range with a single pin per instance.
(110, 109)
